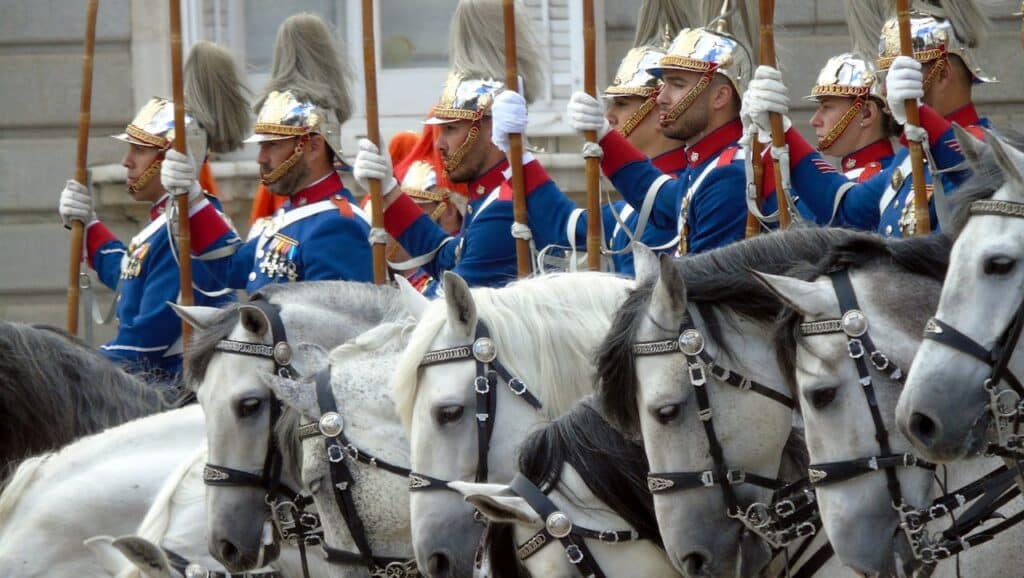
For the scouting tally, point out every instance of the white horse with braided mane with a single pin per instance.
(544, 331)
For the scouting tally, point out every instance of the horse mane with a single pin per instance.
(986, 178)
(55, 389)
(927, 256)
(613, 467)
(529, 321)
(716, 279)
(15, 486)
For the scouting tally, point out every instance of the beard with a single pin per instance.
(690, 124)
(288, 184)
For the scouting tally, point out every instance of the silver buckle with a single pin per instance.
(335, 454)
(517, 386)
(574, 554)
(697, 376)
(707, 477)
(482, 385)
(855, 348)
(736, 476)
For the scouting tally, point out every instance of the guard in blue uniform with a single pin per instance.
(702, 74)
(941, 74)
(483, 252)
(145, 273)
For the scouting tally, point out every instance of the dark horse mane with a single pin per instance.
(927, 256)
(54, 389)
(719, 278)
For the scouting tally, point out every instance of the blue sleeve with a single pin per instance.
(635, 178)
(718, 215)
(337, 248)
(107, 262)
(548, 213)
(422, 237)
(489, 254)
(233, 270)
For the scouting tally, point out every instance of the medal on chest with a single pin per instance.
(132, 267)
(908, 218)
(279, 258)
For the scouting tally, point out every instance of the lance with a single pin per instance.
(184, 235)
(921, 216)
(767, 58)
(515, 151)
(380, 270)
(592, 161)
(756, 168)
(84, 114)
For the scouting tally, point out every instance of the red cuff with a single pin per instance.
(931, 121)
(400, 215)
(618, 152)
(534, 176)
(96, 235)
(798, 147)
(206, 227)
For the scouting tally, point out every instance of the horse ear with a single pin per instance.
(253, 321)
(414, 301)
(668, 303)
(197, 316)
(504, 509)
(461, 307)
(146, 555)
(309, 358)
(808, 298)
(295, 393)
(972, 146)
(108, 557)
(645, 263)
(1009, 159)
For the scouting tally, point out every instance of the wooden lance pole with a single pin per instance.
(184, 235)
(380, 267)
(81, 175)
(515, 152)
(592, 162)
(767, 58)
(923, 226)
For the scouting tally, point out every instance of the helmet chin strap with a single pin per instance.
(684, 103)
(147, 175)
(640, 114)
(453, 161)
(283, 168)
(843, 123)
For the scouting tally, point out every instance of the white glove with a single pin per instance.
(178, 176)
(371, 164)
(586, 113)
(508, 116)
(903, 82)
(766, 94)
(76, 204)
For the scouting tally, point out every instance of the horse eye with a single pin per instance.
(821, 398)
(667, 413)
(449, 414)
(999, 265)
(249, 407)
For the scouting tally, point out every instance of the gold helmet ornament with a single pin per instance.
(847, 76)
(709, 53)
(464, 98)
(284, 116)
(933, 38)
(420, 183)
(153, 126)
(633, 79)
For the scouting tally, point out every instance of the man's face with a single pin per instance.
(830, 110)
(137, 160)
(694, 120)
(272, 154)
(622, 108)
(451, 136)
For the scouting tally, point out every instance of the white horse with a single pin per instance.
(544, 331)
(360, 370)
(101, 484)
(690, 364)
(596, 485)
(234, 350)
(945, 408)
(895, 286)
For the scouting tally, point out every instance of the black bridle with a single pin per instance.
(766, 521)
(190, 569)
(488, 369)
(559, 526)
(331, 426)
(994, 490)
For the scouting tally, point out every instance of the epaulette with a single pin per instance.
(344, 207)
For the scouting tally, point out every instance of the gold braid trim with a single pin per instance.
(416, 193)
(630, 90)
(279, 129)
(933, 74)
(676, 61)
(685, 102)
(840, 90)
(137, 133)
(147, 175)
(921, 56)
(848, 116)
(276, 174)
(455, 159)
(641, 113)
(438, 211)
(452, 113)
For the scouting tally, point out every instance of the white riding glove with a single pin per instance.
(586, 113)
(508, 116)
(903, 82)
(766, 94)
(76, 204)
(178, 176)
(371, 164)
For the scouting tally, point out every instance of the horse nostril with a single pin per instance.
(923, 428)
(438, 565)
(695, 564)
(228, 553)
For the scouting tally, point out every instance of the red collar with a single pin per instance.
(712, 144)
(318, 191)
(487, 182)
(158, 208)
(671, 162)
(874, 152)
(964, 116)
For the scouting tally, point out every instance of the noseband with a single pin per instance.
(484, 352)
